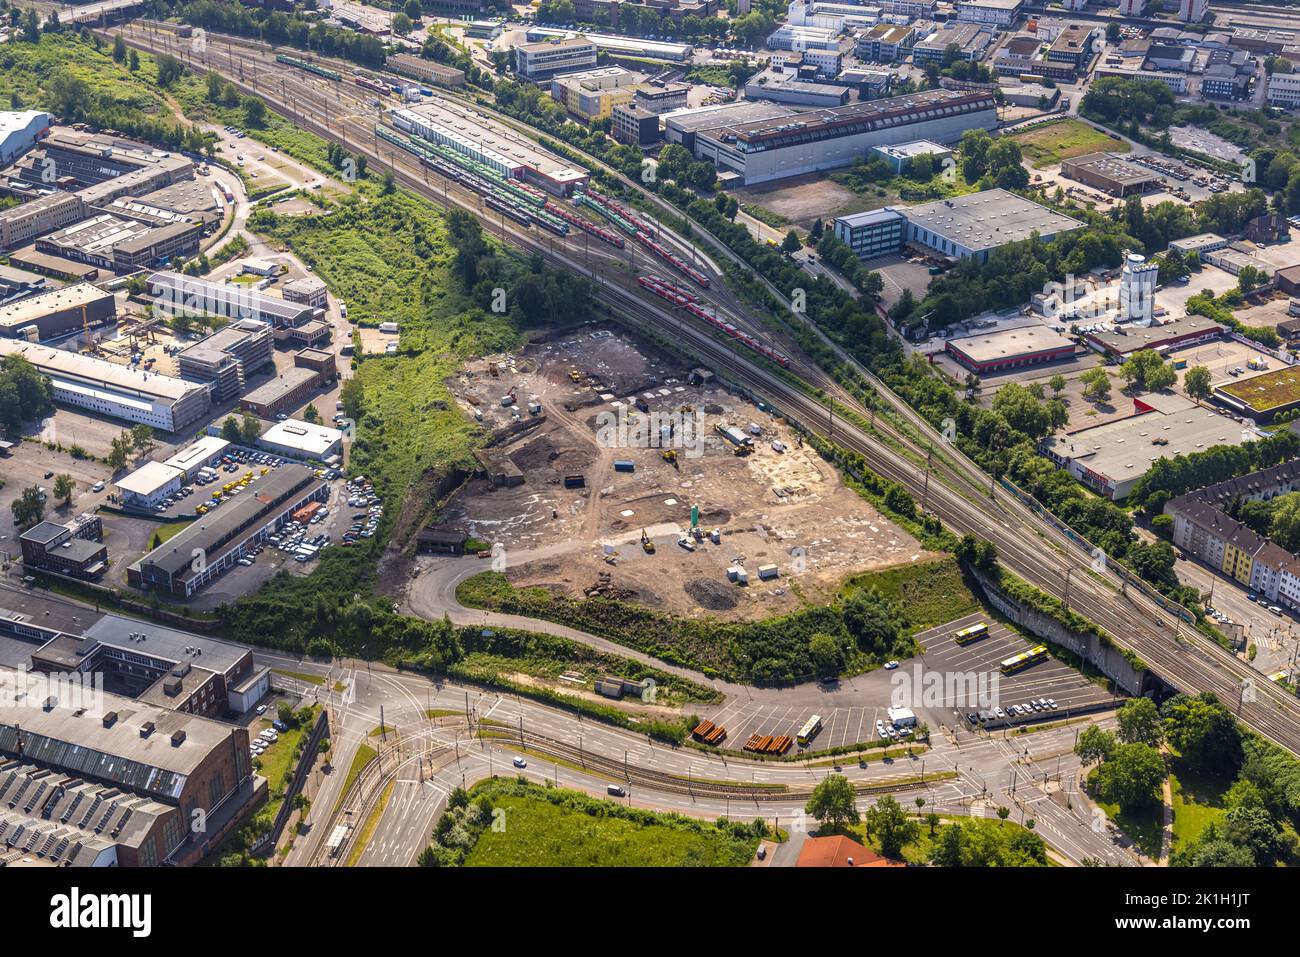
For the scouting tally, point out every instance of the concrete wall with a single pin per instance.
(1108, 659)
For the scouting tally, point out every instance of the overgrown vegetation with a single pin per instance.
(513, 823)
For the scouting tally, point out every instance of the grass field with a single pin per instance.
(166, 531)
(557, 828)
(1049, 143)
(1197, 801)
(1143, 827)
(927, 595)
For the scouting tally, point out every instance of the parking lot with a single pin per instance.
(1050, 679)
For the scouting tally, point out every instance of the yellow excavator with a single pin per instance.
(647, 545)
(670, 456)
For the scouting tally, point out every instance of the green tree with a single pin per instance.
(791, 243)
(872, 621)
(1204, 732)
(826, 654)
(1139, 722)
(1284, 524)
(890, 825)
(1196, 383)
(27, 508)
(353, 397)
(250, 430)
(141, 436)
(1094, 744)
(119, 49)
(950, 849)
(1096, 385)
(311, 415)
(64, 486)
(255, 112)
(1132, 776)
(833, 802)
(119, 451)
(230, 430)
(1057, 382)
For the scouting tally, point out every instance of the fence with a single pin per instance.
(312, 742)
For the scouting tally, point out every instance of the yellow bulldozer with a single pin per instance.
(670, 456)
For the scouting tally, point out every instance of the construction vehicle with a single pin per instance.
(509, 398)
(646, 545)
(670, 456)
(743, 450)
(575, 375)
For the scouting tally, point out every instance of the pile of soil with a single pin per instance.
(710, 594)
(605, 588)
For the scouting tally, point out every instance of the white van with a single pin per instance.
(616, 790)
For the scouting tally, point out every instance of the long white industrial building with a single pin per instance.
(768, 149)
(116, 391)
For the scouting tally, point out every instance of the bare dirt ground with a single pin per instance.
(801, 199)
(786, 508)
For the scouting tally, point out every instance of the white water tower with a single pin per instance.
(1137, 289)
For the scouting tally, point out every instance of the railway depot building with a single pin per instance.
(223, 536)
(114, 390)
(484, 141)
(791, 144)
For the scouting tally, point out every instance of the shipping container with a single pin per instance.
(767, 571)
(624, 465)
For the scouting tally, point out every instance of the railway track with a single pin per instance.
(1032, 548)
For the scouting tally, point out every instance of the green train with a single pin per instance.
(309, 67)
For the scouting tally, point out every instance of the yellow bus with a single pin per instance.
(809, 730)
(973, 633)
(1024, 660)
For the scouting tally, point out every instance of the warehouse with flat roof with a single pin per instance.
(1111, 174)
(1264, 396)
(1124, 340)
(1111, 458)
(973, 225)
(1010, 349)
(113, 390)
(149, 484)
(223, 536)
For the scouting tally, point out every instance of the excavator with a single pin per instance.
(647, 546)
(670, 456)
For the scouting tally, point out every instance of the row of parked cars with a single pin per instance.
(1012, 711)
(266, 738)
(361, 494)
(886, 729)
